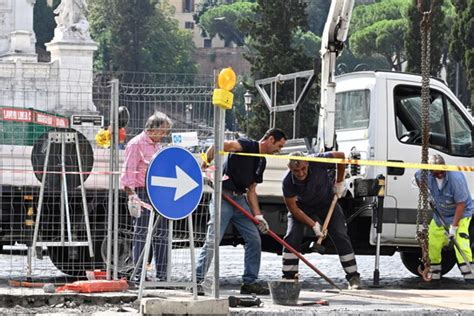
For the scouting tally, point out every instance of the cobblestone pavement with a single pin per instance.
(392, 273)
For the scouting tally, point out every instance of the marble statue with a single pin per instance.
(71, 21)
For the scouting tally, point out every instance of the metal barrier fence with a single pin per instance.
(52, 165)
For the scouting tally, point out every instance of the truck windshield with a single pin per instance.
(352, 109)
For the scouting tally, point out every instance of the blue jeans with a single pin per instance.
(248, 231)
(159, 239)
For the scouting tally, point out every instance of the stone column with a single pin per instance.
(74, 60)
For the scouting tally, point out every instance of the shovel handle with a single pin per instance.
(327, 220)
(280, 241)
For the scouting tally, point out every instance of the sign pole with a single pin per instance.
(146, 251)
(222, 98)
(219, 118)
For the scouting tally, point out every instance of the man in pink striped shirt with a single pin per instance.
(138, 153)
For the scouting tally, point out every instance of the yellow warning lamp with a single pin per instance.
(226, 80)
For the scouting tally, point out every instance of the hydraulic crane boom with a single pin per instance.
(332, 43)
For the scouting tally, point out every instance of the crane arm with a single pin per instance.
(332, 43)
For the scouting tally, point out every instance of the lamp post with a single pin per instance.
(188, 113)
(247, 101)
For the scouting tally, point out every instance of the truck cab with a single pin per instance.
(378, 114)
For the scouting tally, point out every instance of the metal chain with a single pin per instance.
(423, 204)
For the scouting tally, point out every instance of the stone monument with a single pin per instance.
(73, 49)
(17, 38)
(71, 21)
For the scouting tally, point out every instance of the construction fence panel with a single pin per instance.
(49, 121)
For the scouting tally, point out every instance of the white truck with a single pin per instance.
(376, 115)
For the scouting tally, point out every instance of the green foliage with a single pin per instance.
(438, 36)
(366, 15)
(307, 41)
(202, 8)
(347, 62)
(377, 30)
(461, 47)
(274, 50)
(139, 36)
(224, 20)
(381, 38)
(43, 22)
(317, 14)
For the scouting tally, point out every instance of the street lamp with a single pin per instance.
(188, 113)
(247, 101)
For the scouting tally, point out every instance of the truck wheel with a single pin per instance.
(75, 261)
(411, 261)
(125, 257)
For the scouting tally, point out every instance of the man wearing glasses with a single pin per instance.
(451, 197)
(138, 154)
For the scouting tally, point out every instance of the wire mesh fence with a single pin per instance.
(53, 165)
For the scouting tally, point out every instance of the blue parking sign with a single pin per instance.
(174, 182)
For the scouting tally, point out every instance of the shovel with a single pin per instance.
(317, 247)
(280, 241)
(453, 240)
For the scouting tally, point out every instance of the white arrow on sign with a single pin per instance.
(183, 183)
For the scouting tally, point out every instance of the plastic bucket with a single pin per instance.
(285, 292)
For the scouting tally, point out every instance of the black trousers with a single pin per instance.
(337, 232)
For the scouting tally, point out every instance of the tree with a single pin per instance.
(224, 19)
(271, 38)
(202, 8)
(43, 25)
(438, 36)
(461, 47)
(139, 36)
(376, 31)
(317, 13)
(381, 38)
(366, 15)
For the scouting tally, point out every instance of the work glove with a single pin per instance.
(317, 230)
(263, 224)
(452, 231)
(134, 207)
(339, 188)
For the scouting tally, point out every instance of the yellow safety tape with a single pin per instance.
(377, 163)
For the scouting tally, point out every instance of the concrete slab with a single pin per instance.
(179, 302)
(454, 299)
(184, 306)
(340, 304)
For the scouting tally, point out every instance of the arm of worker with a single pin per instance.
(301, 216)
(128, 179)
(458, 213)
(339, 187)
(252, 199)
(461, 194)
(229, 146)
(341, 167)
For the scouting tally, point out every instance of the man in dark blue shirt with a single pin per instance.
(241, 176)
(308, 192)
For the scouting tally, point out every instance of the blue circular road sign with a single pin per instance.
(174, 182)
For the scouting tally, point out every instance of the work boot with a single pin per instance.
(354, 283)
(254, 288)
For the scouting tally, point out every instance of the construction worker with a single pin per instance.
(451, 197)
(138, 154)
(241, 175)
(308, 191)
